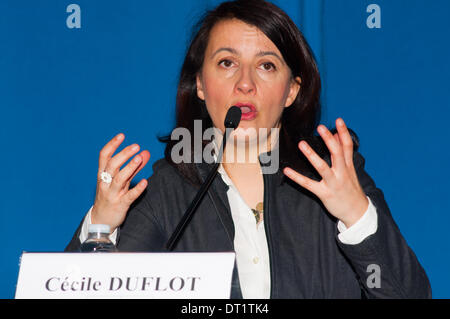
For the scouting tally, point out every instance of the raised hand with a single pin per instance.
(339, 190)
(113, 199)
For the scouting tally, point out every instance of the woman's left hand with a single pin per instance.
(339, 190)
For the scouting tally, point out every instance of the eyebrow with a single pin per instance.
(259, 54)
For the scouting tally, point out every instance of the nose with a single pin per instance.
(245, 83)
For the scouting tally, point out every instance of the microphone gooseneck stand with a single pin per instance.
(232, 120)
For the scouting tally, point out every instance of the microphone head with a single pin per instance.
(233, 117)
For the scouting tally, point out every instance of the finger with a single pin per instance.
(115, 163)
(309, 184)
(346, 141)
(317, 162)
(145, 158)
(337, 154)
(336, 137)
(125, 175)
(135, 192)
(120, 180)
(108, 150)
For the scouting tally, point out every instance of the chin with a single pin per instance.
(245, 135)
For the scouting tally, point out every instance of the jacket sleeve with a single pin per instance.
(384, 263)
(139, 232)
(74, 244)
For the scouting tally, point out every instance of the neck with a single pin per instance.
(244, 150)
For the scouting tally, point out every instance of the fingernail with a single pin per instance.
(135, 147)
(137, 159)
(304, 146)
(340, 122)
(119, 136)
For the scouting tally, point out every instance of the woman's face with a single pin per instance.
(243, 67)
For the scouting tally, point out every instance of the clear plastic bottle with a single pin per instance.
(98, 239)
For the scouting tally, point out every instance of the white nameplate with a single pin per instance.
(125, 275)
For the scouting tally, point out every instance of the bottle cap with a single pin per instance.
(99, 228)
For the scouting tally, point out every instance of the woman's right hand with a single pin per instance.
(113, 200)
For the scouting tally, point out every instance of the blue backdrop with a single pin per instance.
(69, 85)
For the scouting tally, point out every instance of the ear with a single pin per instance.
(293, 91)
(200, 93)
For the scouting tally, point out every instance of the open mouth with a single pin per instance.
(245, 109)
(248, 110)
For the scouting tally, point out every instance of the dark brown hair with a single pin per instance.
(297, 122)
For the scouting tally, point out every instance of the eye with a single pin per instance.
(268, 66)
(226, 63)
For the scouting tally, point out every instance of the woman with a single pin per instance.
(314, 227)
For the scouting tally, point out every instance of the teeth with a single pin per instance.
(245, 109)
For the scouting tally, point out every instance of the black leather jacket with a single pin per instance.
(307, 260)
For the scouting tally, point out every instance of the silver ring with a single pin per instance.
(106, 177)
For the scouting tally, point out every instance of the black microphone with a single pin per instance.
(232, 120)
